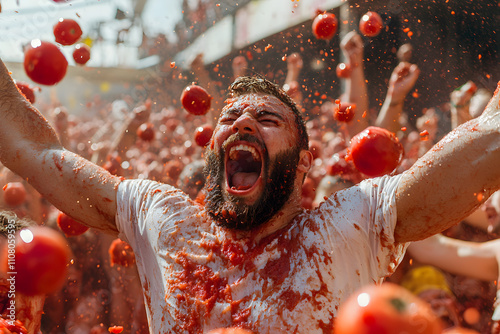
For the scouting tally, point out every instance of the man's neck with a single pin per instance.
(280, 220)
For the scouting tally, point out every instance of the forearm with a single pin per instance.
(456, 256)
(357, 92)
(388, 117)
(74, 185)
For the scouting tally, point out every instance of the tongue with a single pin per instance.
(243, 181)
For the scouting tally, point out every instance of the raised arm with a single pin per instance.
(30, 148)
(471, 259)
(356, 90)
(452, 179)
(402, 80)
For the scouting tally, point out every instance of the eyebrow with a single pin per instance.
(260, 113)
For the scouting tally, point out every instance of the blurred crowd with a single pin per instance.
(99, 294)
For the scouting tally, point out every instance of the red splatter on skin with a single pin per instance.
(57, 163)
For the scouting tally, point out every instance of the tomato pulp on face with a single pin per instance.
(267, 122)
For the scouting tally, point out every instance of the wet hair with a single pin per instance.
(7, 219)
(258, 84)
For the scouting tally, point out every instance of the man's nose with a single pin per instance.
(244, 124)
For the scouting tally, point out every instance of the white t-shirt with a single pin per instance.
(196, 277)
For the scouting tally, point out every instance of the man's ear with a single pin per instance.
(305, 161)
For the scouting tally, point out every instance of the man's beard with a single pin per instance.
(230, 211)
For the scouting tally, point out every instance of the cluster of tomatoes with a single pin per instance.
(374, 151)
(44, 61)
(197, 101)
(325, 26)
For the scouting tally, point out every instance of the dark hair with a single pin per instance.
(7, 219)
(257, 84)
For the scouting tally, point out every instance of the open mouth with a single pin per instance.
(243, 168)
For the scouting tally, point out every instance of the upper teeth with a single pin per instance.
(233, 152)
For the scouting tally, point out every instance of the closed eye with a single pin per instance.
(268, 121)
(227, 120)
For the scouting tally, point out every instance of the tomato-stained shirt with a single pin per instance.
(197, 276)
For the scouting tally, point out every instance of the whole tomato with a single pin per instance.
(343, 70)
(81, 54)
(146, 131)
(325, 26)
(371, 24)
(26, 90)
(14, 193)
(69, 226)
(203, 134)
(375, 151)
(196, 100)
(42, 256)
(344, 112)
(67, 31)
(44, 63)
(387, 308)
(121, 253)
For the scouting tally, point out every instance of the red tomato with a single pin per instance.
(344, 112)
(387, 308)
(81, 54)
(203, 134)
(230, 330)
(196, 100)
(146, 131)
(42, 256)
(26, 90)
(315, 148)
(69, 226)
(325, 26)
(115, 329)
(371, 24)
(343, 70)
(375, 151)
(44, 63)
(14, 193)
(121, 253)
(67, 31)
